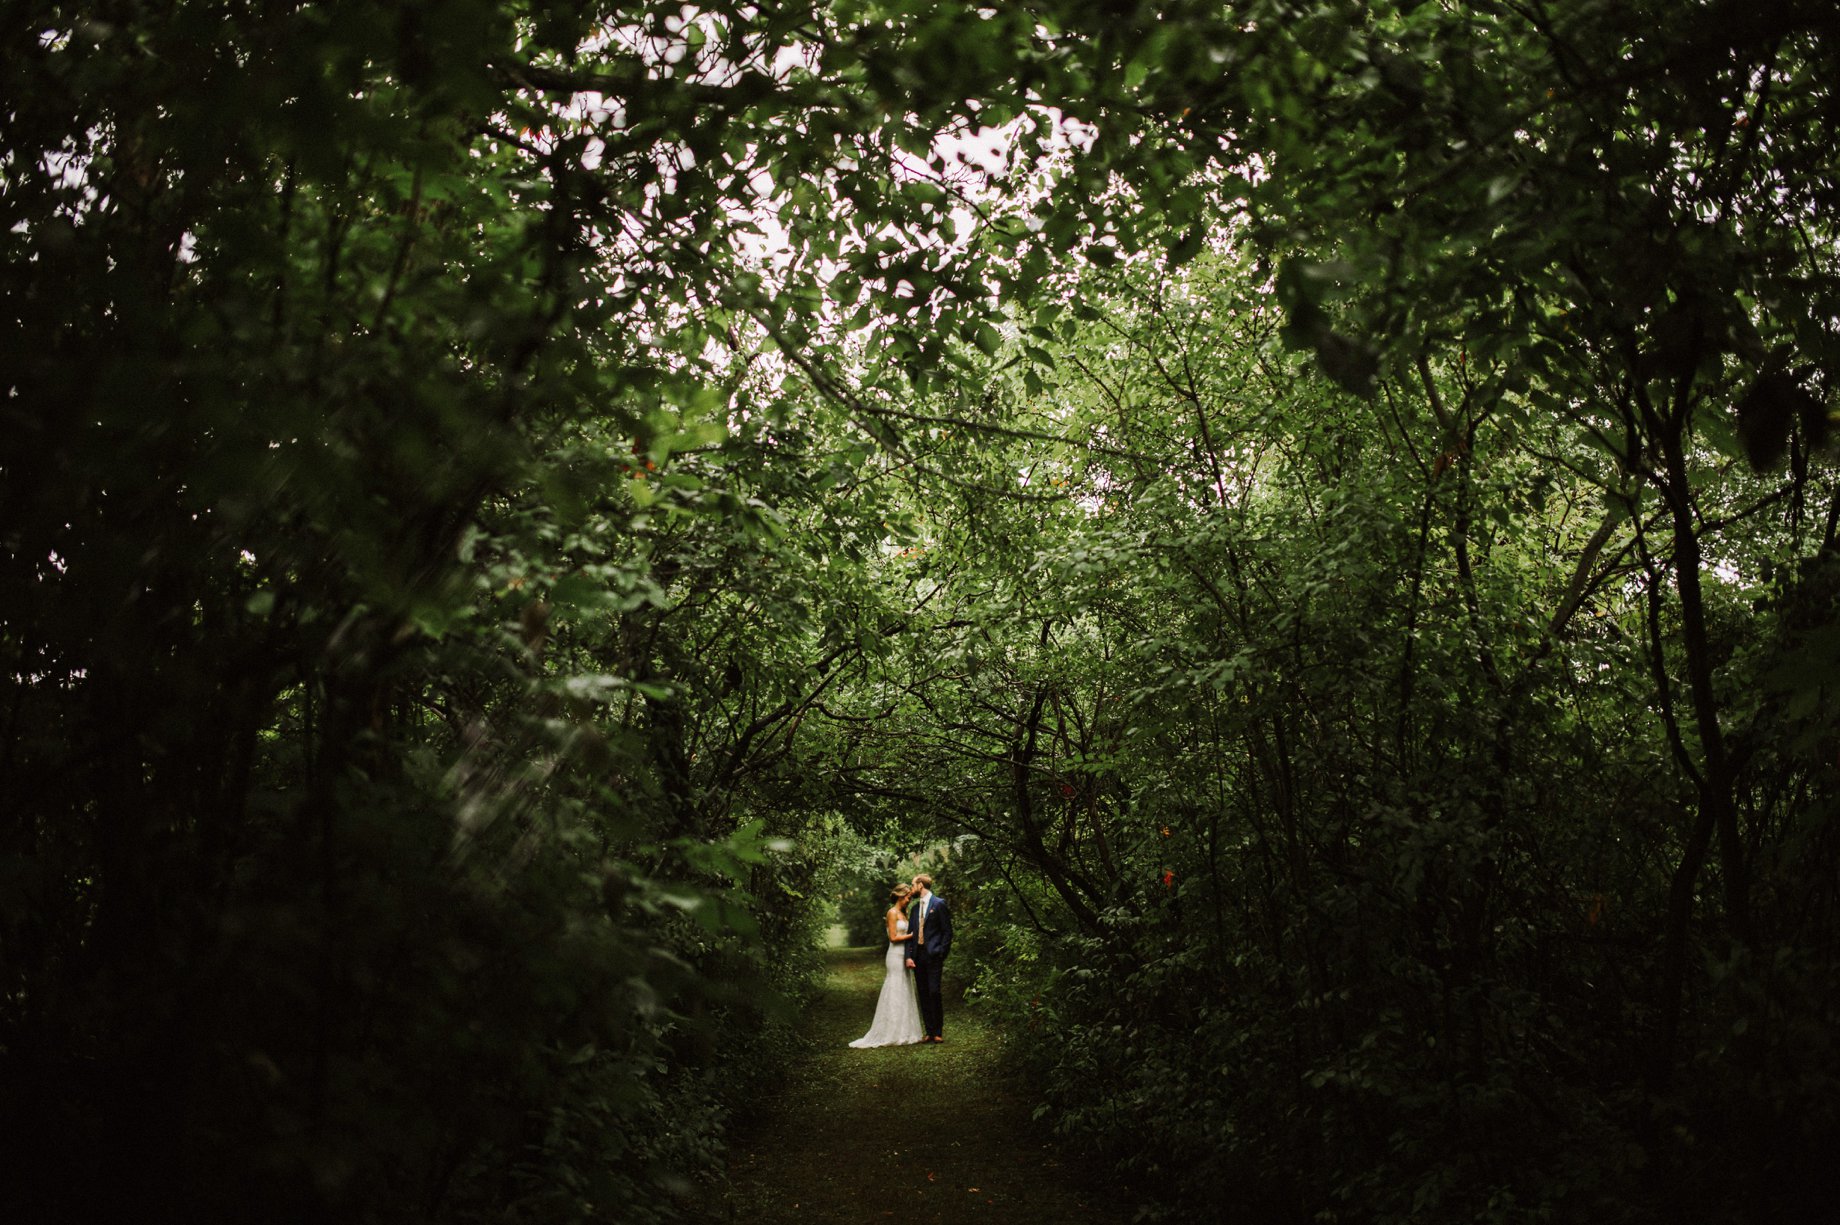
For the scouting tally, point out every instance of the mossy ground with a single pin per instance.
(931, 1134)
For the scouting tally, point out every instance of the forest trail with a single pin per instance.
(836, 1145)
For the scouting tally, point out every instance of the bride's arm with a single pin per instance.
(893, 916)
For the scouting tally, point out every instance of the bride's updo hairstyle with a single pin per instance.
(900, 893)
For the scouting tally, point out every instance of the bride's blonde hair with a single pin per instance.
(899, 892)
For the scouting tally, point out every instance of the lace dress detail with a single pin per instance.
(897, 1009)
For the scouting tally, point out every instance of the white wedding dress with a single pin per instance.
(897, 1009)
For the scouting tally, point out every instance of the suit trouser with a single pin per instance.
(927, 971)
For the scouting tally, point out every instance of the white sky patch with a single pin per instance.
(969, 163)
(68, 168)
(977, 167)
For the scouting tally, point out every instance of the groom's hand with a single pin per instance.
(910, 964)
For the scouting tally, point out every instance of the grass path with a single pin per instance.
(927, 1135)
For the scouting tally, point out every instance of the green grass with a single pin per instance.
(926, 1134)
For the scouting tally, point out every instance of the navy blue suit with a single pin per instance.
(930, 960)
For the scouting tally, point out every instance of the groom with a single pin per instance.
(931, 921)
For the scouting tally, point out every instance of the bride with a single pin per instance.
(897, 1010)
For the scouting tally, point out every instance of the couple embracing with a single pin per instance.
(909, 1008)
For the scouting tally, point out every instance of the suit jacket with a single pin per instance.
(938, 930)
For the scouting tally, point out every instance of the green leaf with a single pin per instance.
(1185, 248)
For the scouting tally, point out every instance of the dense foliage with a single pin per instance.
(1318, 517)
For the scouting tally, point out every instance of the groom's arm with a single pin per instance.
(942, 918)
